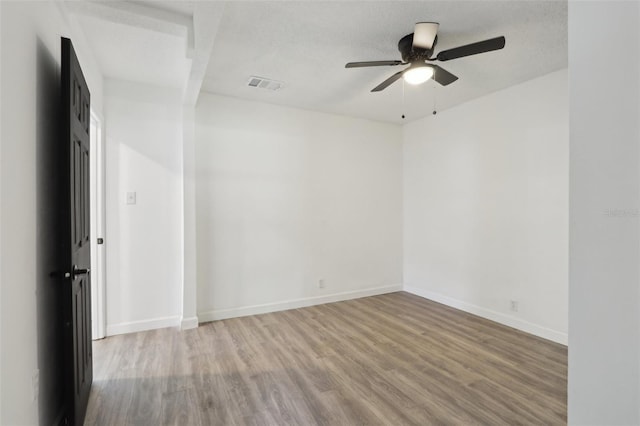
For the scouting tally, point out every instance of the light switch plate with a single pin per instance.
(131, 197)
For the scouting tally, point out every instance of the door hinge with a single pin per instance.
(100, 240)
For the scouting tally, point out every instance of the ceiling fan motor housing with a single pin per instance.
(412, 54)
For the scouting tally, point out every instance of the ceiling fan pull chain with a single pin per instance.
(403, 99)
(433, 85)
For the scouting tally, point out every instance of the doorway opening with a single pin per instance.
(97, 228)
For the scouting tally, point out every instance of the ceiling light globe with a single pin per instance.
(418, 75)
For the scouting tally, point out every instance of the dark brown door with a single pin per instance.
(77, 299)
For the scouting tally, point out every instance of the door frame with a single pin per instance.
(98, 266)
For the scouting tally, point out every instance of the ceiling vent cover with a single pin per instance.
(264, 83)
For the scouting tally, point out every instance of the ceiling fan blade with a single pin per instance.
(372, 64)
(442, 76)
(472, 49)
(424, 34)
(388, 82)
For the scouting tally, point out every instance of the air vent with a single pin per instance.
(264, 83)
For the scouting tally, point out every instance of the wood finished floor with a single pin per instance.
(394, 359)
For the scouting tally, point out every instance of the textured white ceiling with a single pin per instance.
(183, 7)
(136, 54)
(306, 45)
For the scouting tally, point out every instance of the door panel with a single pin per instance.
(77, 290)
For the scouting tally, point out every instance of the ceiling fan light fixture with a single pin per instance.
(418, 74)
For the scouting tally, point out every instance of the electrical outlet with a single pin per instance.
(35, 385)
(320, 283)
(514, 306)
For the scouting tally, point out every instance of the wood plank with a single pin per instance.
(391, 359)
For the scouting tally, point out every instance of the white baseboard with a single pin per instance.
(189, 323)
(294, 304)
(144, 325)
(499, 317)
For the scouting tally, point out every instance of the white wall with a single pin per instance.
(189, 283)
(1, 223)
(144, 241)
(22, 25)
(604, 311)
(486, 206)
(286, 197)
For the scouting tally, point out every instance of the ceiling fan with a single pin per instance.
(417, 49)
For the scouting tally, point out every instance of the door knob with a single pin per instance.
(78, 271)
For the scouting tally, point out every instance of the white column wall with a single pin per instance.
(604, 308)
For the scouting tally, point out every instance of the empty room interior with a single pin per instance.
(305, 212)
